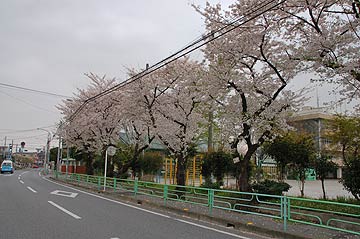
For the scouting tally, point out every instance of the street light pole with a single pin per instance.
(58, 156)
(47, 151)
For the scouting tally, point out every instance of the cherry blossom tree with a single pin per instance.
(179, 114)
(170, 98)
(138, 112)
(97, 125)
(325, 35)
(248, 75)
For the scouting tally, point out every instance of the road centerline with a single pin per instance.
(64, 210)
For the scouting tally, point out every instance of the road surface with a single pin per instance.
(32, 206)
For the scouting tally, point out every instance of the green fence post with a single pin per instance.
(210, 200)
(135, 187)
(114, 184)
(99, 182)
(87, 180)
(284, 211)
(288, 209)
(166, 189)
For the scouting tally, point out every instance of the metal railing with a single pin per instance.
(325, 214)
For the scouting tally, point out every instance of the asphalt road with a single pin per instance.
(32, 206)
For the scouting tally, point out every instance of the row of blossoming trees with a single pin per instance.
(243, 81)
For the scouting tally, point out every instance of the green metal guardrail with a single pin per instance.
(340, 217)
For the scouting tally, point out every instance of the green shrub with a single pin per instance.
(271, 187)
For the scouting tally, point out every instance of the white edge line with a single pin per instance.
(32, 190)
(211, 229)
(148, 211)
(110, 200)
(21, 181)
(64, 210)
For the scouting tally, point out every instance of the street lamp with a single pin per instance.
(111, 150)
(47, 151)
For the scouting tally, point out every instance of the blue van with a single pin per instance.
(7, 166)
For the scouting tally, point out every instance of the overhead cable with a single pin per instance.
(205, 39)
(33, 90)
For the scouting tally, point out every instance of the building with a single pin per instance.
(314, 121)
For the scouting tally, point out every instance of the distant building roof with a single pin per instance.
(310, 113)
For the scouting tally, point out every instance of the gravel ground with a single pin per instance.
(333, 189)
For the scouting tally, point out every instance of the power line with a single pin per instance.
(11, 131)
(33, 90)
(27, 103)
(183, 52)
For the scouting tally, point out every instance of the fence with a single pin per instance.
(325, 214)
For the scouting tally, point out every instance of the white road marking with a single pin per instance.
(19, 177)
(64, 194)
(148, 211)
(64, 210)
(21, 181)
(110, 200)
(32, 190)
(23, 173)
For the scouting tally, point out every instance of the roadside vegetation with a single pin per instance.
(237, 100)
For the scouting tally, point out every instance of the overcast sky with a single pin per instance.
(49, 45)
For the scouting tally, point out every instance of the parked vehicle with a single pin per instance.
(7, 166)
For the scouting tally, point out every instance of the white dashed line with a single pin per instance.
(21, 181)
(64, 210)
(32, 190)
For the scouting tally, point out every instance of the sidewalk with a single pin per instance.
(239, 221)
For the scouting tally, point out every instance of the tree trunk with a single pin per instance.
(110, 168)
(89, 164)
(281, 173)
(302, 187)
(180, 171)
(243, 181)
(323, 188)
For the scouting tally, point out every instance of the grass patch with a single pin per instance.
(348, 205)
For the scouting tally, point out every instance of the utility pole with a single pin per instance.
(67, 159)
(58, 156)
(211, 131)
(211, 119)
(4, 154)
(47, 150)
